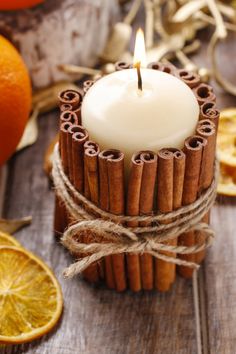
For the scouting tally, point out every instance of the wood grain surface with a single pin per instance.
(96, 320)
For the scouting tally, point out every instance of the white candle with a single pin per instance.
(118, 115)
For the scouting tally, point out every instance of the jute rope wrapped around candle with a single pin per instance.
(110, 237)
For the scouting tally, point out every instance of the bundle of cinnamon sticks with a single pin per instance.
(160, 181)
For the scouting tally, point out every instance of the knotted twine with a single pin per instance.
(111, 236)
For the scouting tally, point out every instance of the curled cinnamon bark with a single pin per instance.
(87, 84)
(91, 152)
(111, 173)
(81, 136)
(204, 93)
(64, 145)
(91, 191)
(78, 138)
(170, 179)
(164, 67)
(60, 215)
(193, 148)
(122, 65)
(68, 116)
(189, 78)
(169, 69)
(104, 204)
(74, 98)
(209, 111)
(207, 130)
(115, 167)
(155, 65)
(149, 160)
(179, 170)
(66, 107)
(132, 209)
(164, 271)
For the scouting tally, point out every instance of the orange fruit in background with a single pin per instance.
(15, 98)
(18, 4)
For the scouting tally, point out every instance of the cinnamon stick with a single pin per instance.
(165, 172)
(193, 148)
(91, 151)
(111, 162)
(66, 107)
(73, 98)
(63, 142)
(65, 116)
(68, 116)
(132, 209)
(189, 78)
(60, 215)
(87, 84)
(122, 65)
(170, 177)
(209, 111)
(207, 130)
(204, 93)
(164, 67)
(155, 65)
(145, 208)
(168, 68)
(79, 138)
(60, 222)
(81, 135)
(115, 167)
(76, 137)
(104, 204)
(179, 170)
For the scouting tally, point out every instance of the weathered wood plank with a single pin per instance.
(218, 277)
(94, 320)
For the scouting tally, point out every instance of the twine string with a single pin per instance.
(112, 237)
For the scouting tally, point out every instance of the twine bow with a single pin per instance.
(110, 236)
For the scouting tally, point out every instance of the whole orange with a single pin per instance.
(18, 4)
(15, 98)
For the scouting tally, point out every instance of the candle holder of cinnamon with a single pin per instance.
(159, 182)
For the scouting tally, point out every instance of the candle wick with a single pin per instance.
(140, 83)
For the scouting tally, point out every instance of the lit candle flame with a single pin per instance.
(139, 50)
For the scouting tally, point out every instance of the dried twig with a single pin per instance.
(221, 31)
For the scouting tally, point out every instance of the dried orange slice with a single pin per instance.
(226, 149)
(227, 123)
(226, 140)
(227, 181)
(8, 240)
(30, 296)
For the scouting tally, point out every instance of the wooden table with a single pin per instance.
(195, 317)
